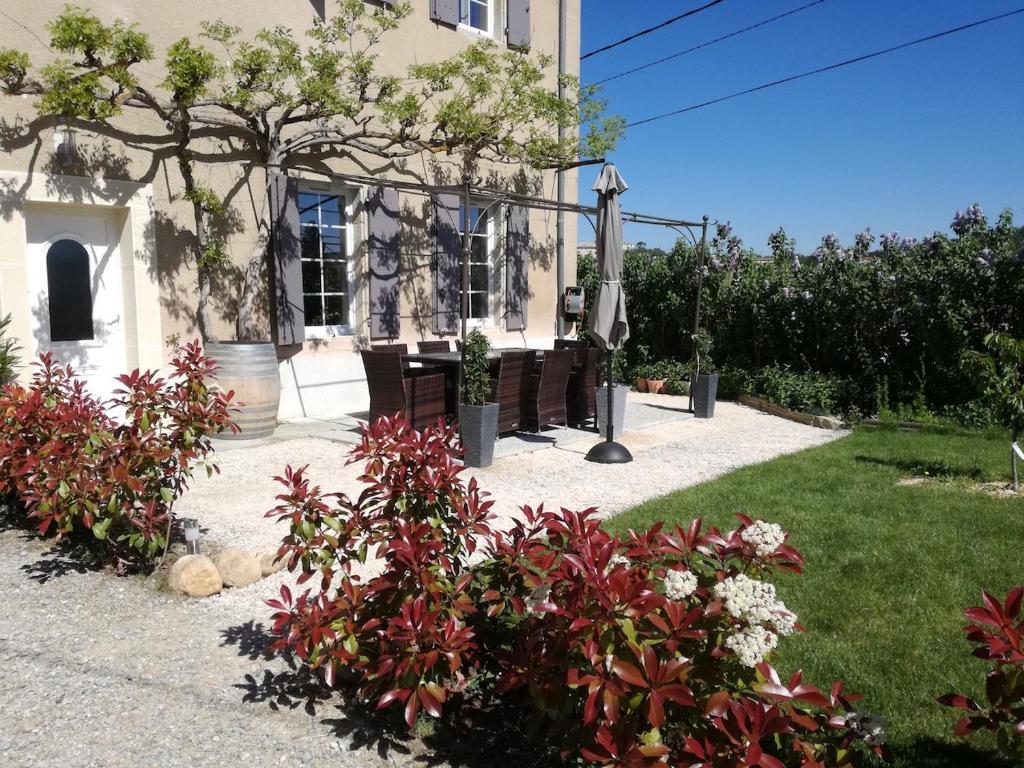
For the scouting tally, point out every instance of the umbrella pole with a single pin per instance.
(609, 451)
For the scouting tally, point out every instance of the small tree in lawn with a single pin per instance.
(292, 102)
(1000, 374)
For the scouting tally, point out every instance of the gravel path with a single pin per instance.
(105, 671)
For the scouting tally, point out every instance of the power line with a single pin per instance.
(820, 70)
(709, 42)
(648, 31)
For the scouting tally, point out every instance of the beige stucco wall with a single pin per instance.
(116, 169)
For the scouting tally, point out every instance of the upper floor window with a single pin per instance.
(481, 233)
(70, 292)
(325, 259)
(478, 15)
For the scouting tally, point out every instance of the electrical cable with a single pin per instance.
(648, 31)
(829, 68)
(708, 43)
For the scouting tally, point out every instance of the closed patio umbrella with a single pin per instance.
(608, 324)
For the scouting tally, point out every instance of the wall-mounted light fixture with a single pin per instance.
(65, 148)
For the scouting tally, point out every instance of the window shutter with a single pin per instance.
(517, 262)
(447, 264)
(445, 11)
(290, 316)
(518, 23)
(382, 251)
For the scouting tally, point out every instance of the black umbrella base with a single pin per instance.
(609, 453)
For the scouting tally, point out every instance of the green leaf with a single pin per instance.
(99, 529)
(166, 494)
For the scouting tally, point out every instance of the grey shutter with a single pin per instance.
(289, 312)
(447, 264)
(382, 252)
(518, 23)
(517, 262)
(445, 11)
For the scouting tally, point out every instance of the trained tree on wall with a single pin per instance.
(294, 101)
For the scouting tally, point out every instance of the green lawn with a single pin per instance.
(890, 569)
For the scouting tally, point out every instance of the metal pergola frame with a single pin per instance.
(494, 198)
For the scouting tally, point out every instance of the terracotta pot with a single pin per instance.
(641, 384)
(656, 386)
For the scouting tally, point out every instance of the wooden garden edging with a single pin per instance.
(821, 422)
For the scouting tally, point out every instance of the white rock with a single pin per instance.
(195, 576)
(237, 567)
(269, 563)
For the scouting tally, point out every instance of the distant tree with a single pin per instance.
(1000, 375)
(294, 102)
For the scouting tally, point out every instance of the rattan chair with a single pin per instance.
(580, 397)
(434, 346)
(545, 396)
(579, 349)
(403, 348)
(509, 387)
(416, 392)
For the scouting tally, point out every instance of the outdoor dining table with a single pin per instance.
(450, 362)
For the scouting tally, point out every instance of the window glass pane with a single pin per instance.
(337, 311)
(311, 277)
(478, 15)
(330, 213)
(310, 243)
(70, 294)
(335, 277)
(314, 309)
(478, 277)
(331, 244)
(478, 306)
(307, 207)
(478, 250)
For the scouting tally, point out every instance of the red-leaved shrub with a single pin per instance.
(997, 628)
(640, 651)
(113, 469)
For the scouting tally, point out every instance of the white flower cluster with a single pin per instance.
(679, 585)
(754, 602)
(766, 537)
(752, 644)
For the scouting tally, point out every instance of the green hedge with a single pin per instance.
(893, 315)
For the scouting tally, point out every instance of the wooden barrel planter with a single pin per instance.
(250, 369)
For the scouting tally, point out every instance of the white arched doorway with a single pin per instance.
(76, 294)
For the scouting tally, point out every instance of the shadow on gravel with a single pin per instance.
(467, 737)
(252, 640)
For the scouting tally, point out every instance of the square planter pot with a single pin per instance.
(619, 392)
(478, 427)
(705, 389)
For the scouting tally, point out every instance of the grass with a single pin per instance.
(890, 569)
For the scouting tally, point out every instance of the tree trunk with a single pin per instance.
(247, 326)
(202, 241)
(1013, 462)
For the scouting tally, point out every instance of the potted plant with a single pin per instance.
(478, 418)
(640, 374)
(657, 377)
(704, 389)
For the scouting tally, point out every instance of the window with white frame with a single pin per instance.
(325, 259)
(478, 15)
(481, 232)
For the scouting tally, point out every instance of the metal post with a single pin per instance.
(694, 359)
(563, 15)
(610, 431)
(464, 298)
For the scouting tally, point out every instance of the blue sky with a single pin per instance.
(895, 143)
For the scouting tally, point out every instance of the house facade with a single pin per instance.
(94, 248)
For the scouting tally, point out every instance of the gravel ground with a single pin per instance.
(106, 671)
